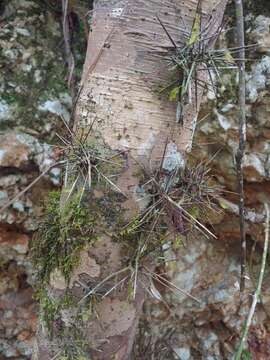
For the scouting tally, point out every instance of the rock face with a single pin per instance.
(33, 97)
(33, 87)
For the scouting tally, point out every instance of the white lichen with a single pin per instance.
(173, 159)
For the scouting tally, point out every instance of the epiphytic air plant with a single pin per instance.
(197, 63)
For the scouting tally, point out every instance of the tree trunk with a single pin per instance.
(134, 132)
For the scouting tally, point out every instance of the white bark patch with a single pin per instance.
(257, 80)
(193, 127)
(5, 110)
(173, 159)
(142, 198)
(254, 162)
(183, 353)
(147, 146)
(124, 143)
(117, 12)
(227, 107)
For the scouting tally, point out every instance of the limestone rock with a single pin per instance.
(260, 33)
(258, 79)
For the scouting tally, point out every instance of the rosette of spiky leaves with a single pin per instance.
(87, 162)
(197, 56)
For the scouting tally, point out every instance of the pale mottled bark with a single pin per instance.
(125, 64)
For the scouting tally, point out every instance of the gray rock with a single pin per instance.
(55, 107)
(3, 197)
(258, 78)
(5, 111)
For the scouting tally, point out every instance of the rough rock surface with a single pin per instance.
(33, 87)
(33, 99)
(33, 95)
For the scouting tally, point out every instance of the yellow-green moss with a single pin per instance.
(62, 235)
(74, 346)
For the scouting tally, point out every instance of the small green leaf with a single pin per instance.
(130, 290)
(174, 93)
(178, 242)
(246, 355)
(223, 204)
(194, 211)
(228, 57)
(195, 32)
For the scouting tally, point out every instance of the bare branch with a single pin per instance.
(69, 54)
(242, 135)
(258, 289)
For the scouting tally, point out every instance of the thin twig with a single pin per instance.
(258, 290)
(3, 208)
(92, 291)
(242, 136)
(56, 355)
(115, 286)
(169, 284)
(69, 54)
(190, 216)
(167, 33)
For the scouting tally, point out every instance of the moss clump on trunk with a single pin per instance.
(61, 237)
(50, 307)
(63, 233)
(70, 336)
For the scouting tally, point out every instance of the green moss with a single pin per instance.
(62, 235)
(50, 308)
(64, 231)
(246, 355)
(21, 88)
(227, 89)
(70, 335)
(10, 98)
(75, 345)
(259, 7)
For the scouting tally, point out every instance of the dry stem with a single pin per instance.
(242, 135)
(258, 290)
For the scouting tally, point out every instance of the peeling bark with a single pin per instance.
(125, 64)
